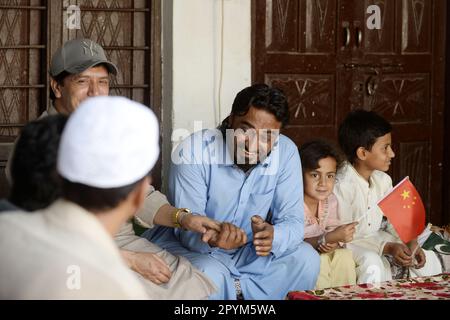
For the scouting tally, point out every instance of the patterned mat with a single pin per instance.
(423, 288)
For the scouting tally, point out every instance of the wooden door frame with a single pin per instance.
(439, 123)
(155, 73)
(446, 164)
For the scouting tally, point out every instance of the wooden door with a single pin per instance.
(32, 30)
(321, 53)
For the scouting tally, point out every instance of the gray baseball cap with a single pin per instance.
(78, 55)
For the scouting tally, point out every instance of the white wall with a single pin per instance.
(205, 79)
(206, 61)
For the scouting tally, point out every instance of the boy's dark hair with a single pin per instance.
(313, 151)
(35, 183)
(262, 96)
(96, 199)
(361, 128)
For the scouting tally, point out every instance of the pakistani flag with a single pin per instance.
(437, 243)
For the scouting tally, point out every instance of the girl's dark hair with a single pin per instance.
(313, 151)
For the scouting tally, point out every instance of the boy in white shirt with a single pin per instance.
(365, 138)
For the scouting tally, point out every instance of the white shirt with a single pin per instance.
(62, 252)
(358, 199)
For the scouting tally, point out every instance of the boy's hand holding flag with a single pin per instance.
(405, 211)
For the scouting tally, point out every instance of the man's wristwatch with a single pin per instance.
(178, 215)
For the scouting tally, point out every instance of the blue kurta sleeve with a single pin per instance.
(287, 205)
(188, 189)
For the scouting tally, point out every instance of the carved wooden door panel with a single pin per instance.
(321, 53)
(403, 78)
(294, 48)
(32, 30)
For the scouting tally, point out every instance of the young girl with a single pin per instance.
(322, 227)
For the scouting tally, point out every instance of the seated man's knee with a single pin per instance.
(368, 259)
(309, 257)
(211, 267)
(312, 254)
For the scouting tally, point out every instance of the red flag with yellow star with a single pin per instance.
(405, 210)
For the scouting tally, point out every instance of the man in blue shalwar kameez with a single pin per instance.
(248, 176)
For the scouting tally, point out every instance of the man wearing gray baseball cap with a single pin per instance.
(79, 70)
(78, 55)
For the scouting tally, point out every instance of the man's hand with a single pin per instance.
(262, 236)
(342, 233)
(400, 252)
(229, 237)
(327, 247)
(148, 265)
(201, 224)
(210, 234)
(419, 258)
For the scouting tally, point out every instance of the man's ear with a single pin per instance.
(141, 192)
(56, 87)
(361, 153)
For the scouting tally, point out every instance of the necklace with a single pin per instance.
(322, 218)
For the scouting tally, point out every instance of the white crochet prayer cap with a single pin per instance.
(108, 142)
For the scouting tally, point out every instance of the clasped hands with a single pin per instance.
(222, 235)
(232, 237)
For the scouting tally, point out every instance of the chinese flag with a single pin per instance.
(405, 210)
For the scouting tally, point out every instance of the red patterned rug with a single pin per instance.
(423, 288)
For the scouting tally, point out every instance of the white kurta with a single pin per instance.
(186, 282)
(62, 252)
(357, 199)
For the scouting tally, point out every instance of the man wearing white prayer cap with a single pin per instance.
(106, 153)
(77, 74)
